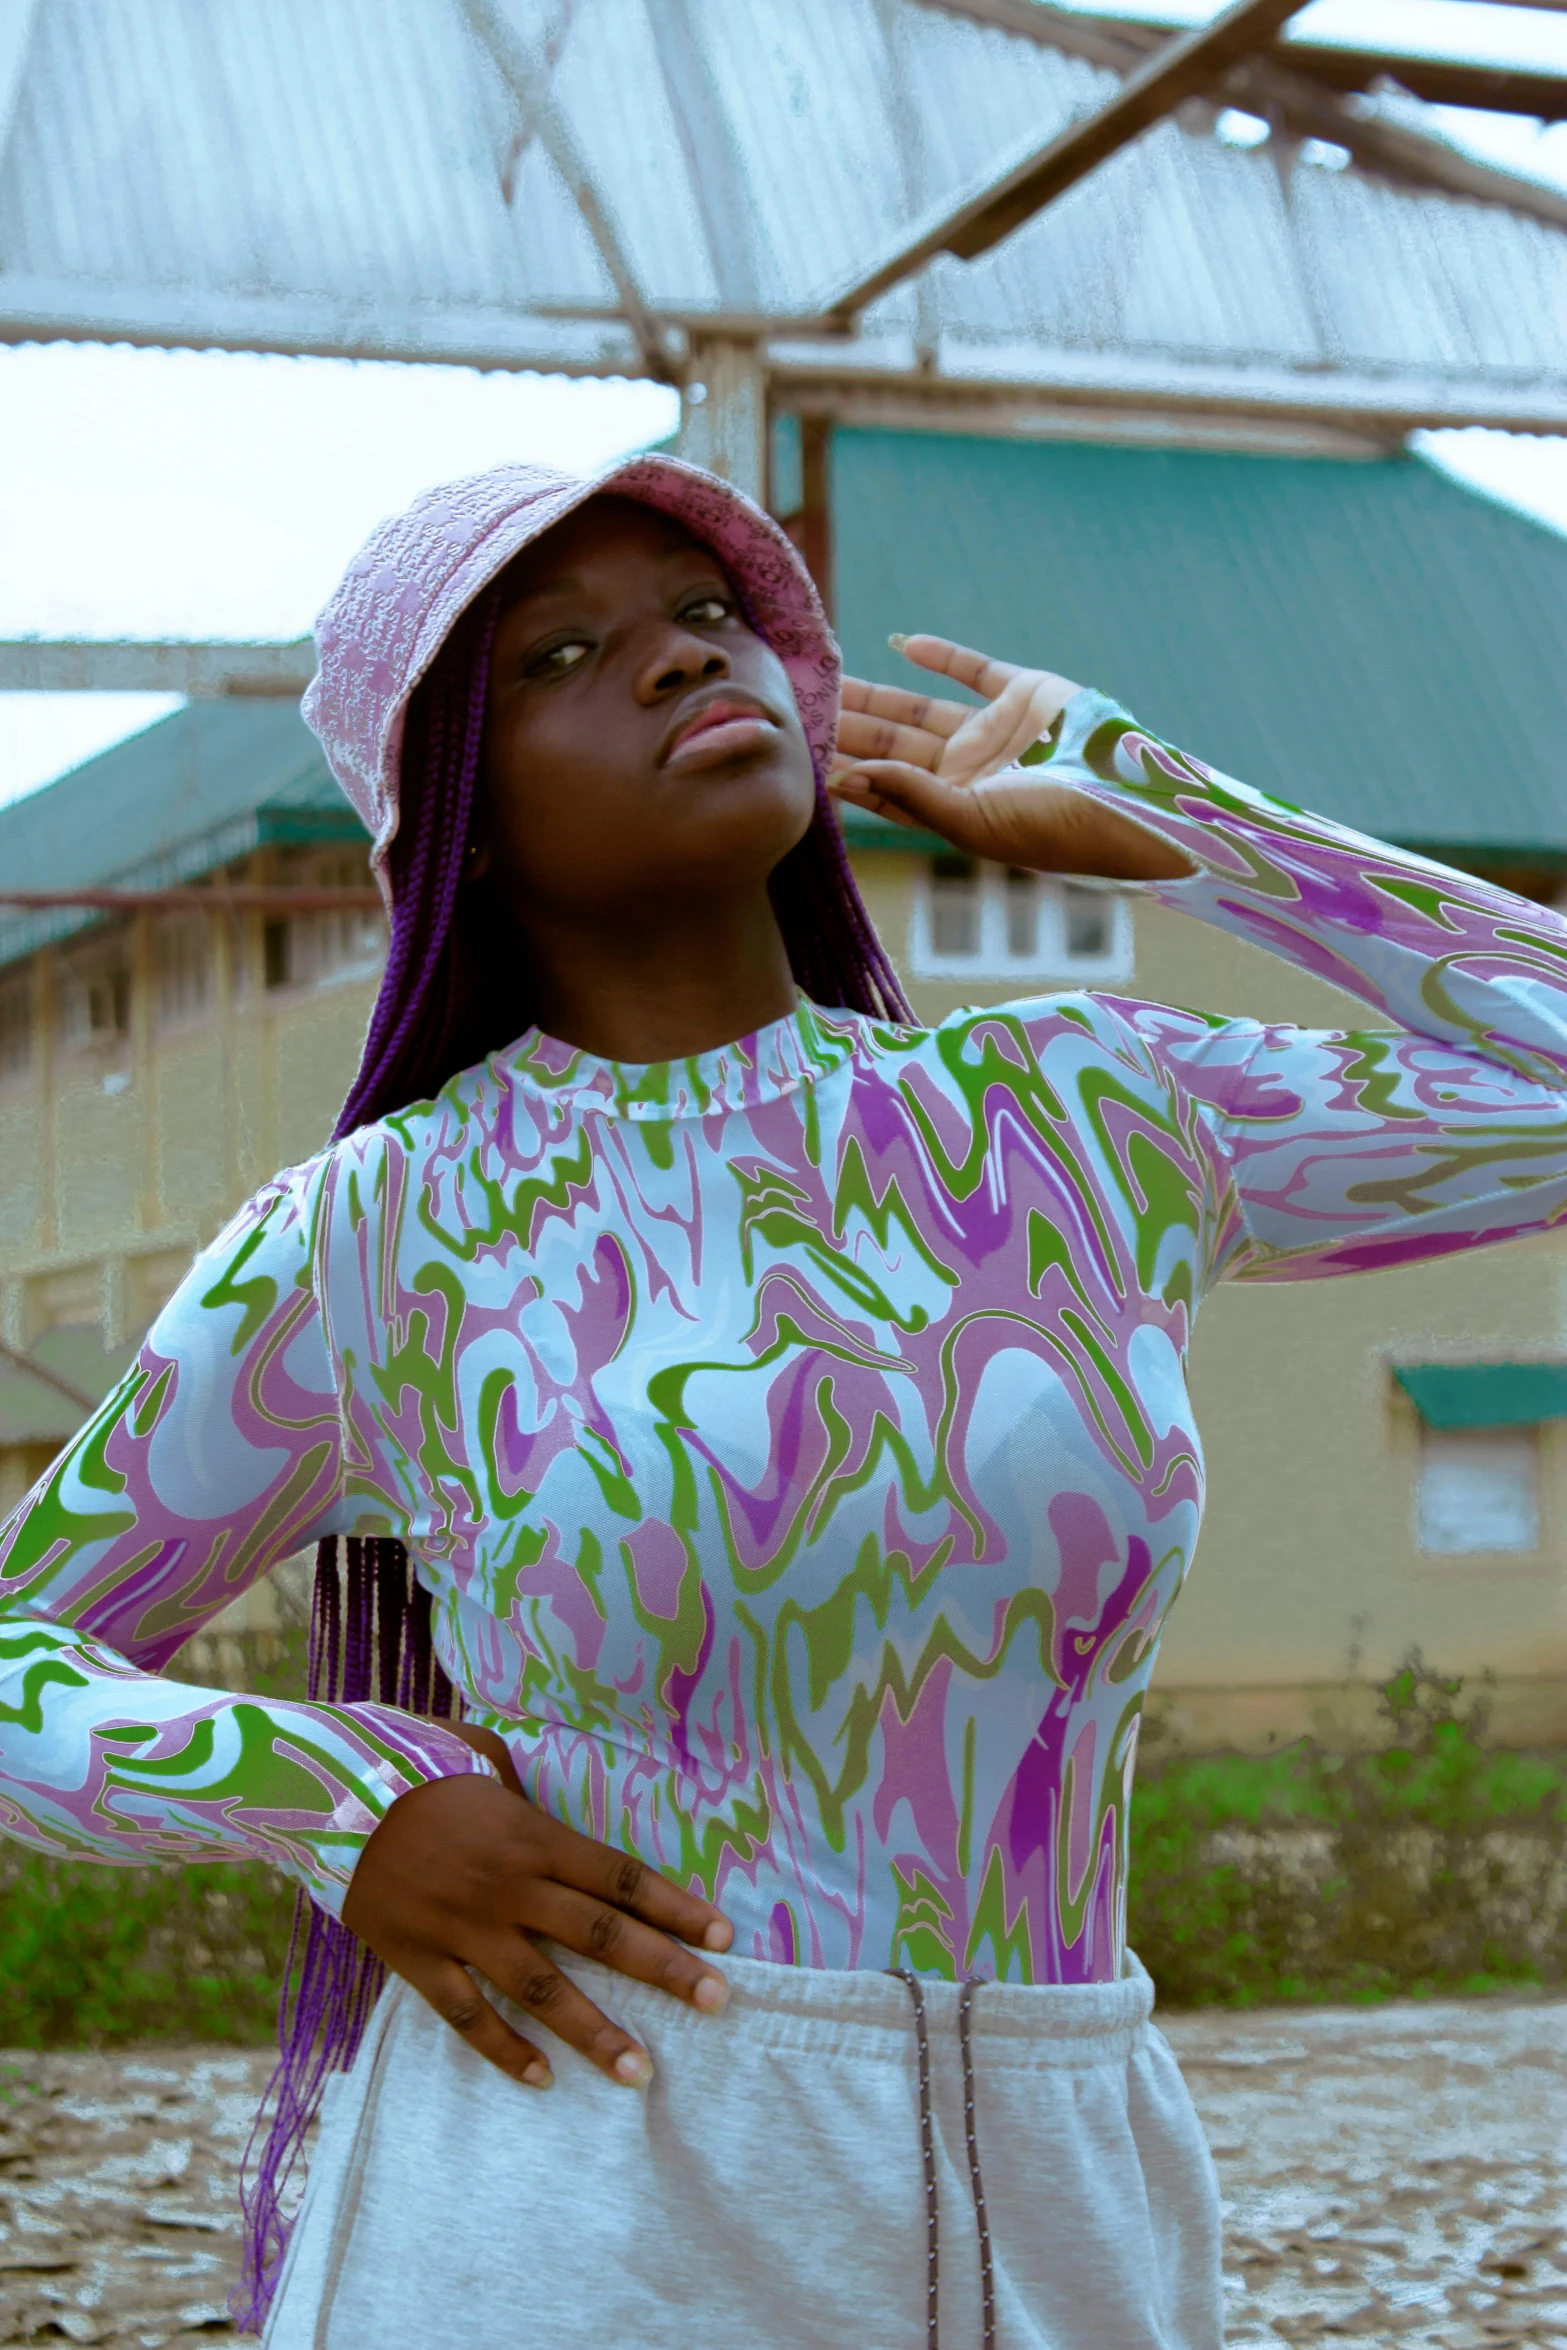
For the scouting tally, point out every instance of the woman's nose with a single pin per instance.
(679, 659)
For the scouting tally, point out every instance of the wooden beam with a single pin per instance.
(37, 665)
(1279, 85)
(16, 32)
(220, 898)
(1440, 81)
(1395, 151)
(1123, 42)
(1175, 71)
(530, 88)
(1373, 407)
(24, 1362)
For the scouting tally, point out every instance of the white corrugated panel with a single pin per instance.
(365, 161)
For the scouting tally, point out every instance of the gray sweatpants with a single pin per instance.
(766, 2192)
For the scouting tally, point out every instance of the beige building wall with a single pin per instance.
(120, 1154)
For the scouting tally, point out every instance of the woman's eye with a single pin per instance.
(707, 611)
(557, 660)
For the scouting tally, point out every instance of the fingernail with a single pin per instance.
(634, 2068)
(711, 1994)
(897, 642)
(538, 2076)
(718, 1935)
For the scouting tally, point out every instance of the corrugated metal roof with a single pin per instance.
(200, 788)
(336, 173)
(1368, 639)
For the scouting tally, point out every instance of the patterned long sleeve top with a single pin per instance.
(795, 1439)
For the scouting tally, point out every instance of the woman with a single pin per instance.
(783, 1410)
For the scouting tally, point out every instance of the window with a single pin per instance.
(340, 942)
(1478, 1489)
(95, 999)
(183, 960)
(975, 921)
(16, 1029)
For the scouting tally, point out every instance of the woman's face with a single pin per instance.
(642, 745)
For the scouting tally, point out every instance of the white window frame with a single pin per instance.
(91, 979)
(994, 958)
(1501, 1469)
(17, 1045)
(184, 969)
(327, 949)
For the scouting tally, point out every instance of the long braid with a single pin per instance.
(445, 1001)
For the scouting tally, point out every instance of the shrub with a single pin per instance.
(90, 1955)
(1432, 1862)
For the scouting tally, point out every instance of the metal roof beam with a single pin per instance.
(87, 665)
(530, 88)
(1175, 71)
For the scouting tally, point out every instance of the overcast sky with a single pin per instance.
(212, 494)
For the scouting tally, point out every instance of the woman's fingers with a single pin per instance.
(516, 1966)
(622, 1882)
(980, 672)
(1025, 703)
(862, 737)
(594, 1930)
(902, 707)
(457, 2000)
(913, 796)
(998, 735)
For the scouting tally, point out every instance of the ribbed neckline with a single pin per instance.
(806, 1044)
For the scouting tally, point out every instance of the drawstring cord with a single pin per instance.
(981, 2218)
(928, 2157)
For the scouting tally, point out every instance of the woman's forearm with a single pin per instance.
(1441, 953)
(103, 1761)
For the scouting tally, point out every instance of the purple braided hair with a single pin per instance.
(445, 1001)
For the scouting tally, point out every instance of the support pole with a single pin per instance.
(815, 533)
(723, 412)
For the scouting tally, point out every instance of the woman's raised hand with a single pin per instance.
(950, 768)
(466, 1873)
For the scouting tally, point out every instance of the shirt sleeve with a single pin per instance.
(1340, 1152)
(218, 1454)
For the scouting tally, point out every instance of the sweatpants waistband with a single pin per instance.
(867, 2013)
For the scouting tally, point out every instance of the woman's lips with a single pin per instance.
(727, 731)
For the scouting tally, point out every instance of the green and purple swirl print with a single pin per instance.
(795, 1439)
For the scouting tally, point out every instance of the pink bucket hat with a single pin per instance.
(415, 574)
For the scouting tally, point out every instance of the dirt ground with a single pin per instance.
(1393, 2175)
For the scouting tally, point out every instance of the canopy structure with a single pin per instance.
(958, 212)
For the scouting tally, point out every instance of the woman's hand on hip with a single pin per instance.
(466, 1873)
(949, 768)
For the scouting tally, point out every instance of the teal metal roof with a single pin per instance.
(1368, 638)
(206, 785)
(1486, 1395)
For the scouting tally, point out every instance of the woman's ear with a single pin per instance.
(476, 864)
